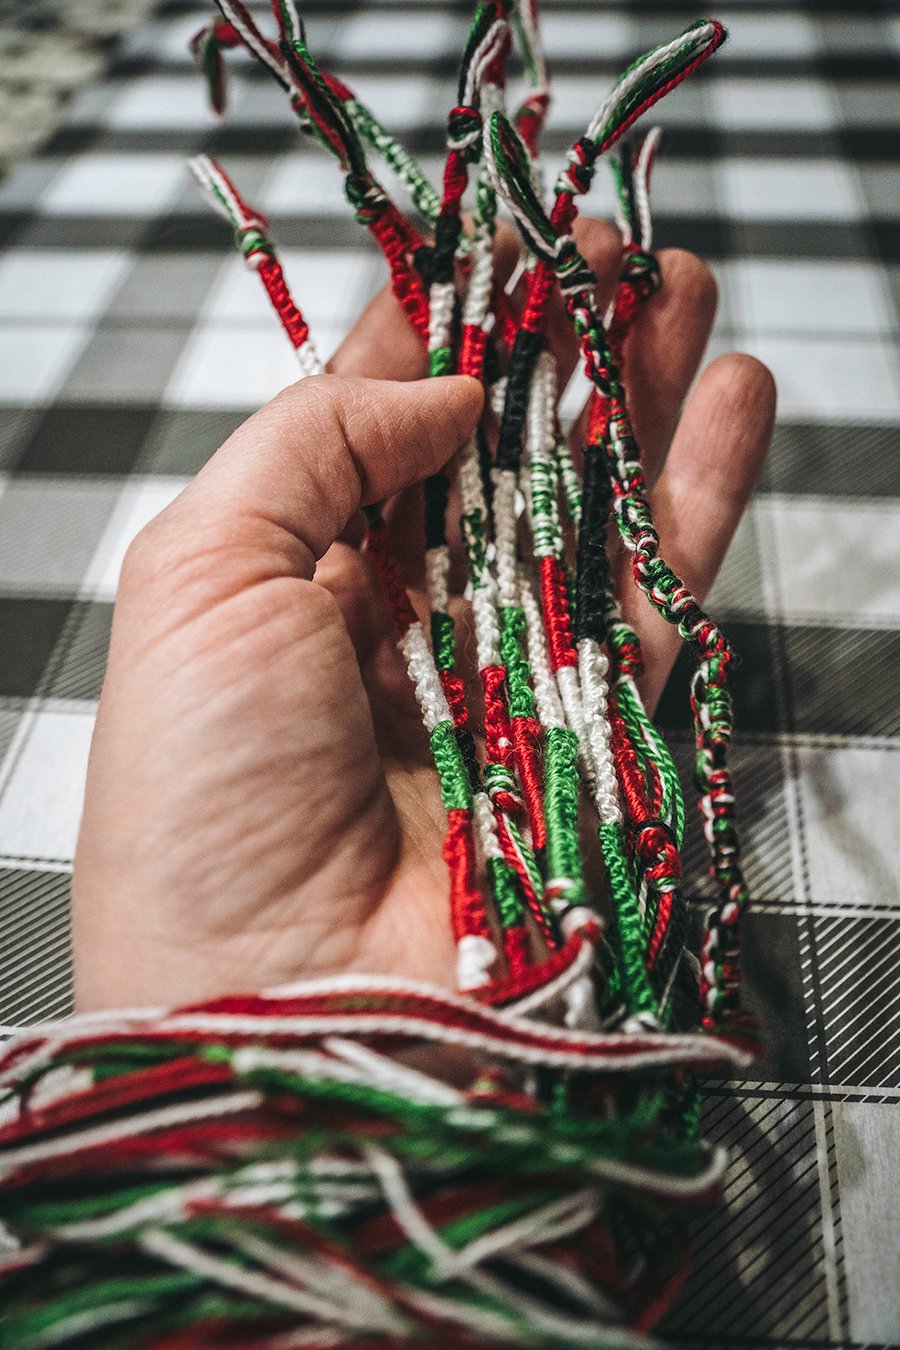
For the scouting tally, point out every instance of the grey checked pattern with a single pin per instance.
(132, 342)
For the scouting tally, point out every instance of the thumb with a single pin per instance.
(326, 446)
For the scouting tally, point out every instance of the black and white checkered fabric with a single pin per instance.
(132, 341)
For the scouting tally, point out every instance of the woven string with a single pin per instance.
(376, 1162)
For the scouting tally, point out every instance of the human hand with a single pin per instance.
(260, 801)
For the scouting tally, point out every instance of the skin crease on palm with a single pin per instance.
(260, 803)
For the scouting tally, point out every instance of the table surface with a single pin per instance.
(132, 342)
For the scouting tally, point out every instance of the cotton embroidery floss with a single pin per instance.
(375, 1162)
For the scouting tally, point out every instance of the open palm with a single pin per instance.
(260, 800)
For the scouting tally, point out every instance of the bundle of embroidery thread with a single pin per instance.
(366, 1161)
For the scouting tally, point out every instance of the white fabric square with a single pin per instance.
(43, 792)
(165, 41)
(405, 102)
(329, 286)
(170, 102)
(241, 366)
(809, 296)
(49, 527)
(115, 185)
(371, 36)
(753, 35)
(302, 184)
(826, 379)
(790, 189)
(867, 1139)
(138, 503)
(681, 187)
(68, 285)
(35, 359)
(260, 102)
(842, 795)
(588, 33)
(773, 102)
(830, 562)
(310, 184)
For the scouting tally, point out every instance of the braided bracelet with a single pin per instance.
(378, 1162)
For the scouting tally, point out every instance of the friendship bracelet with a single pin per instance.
(371, 1161)
(301, 1167)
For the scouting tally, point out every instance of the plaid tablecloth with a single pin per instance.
(132, 342)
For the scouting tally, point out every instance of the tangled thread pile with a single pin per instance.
(361, 1161)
